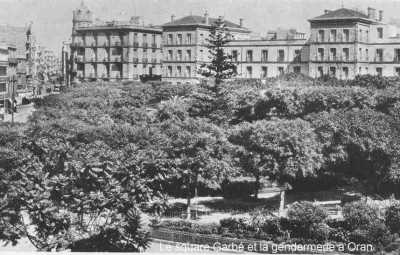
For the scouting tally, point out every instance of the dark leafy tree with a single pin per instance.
(279, 149)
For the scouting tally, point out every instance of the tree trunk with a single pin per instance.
(196, 192)
(188, 208)
(282, 204)
(257, 186)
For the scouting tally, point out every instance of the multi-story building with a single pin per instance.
(185, 45)
(342, 43)
(282, 51)
(114, 50)
(3, 72)
(17, 37)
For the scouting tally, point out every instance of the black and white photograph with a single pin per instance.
(200, 127)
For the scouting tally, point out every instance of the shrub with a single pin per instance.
(371, 81)
(359, 214)
(319, 232)
(237, 189)
(307, 213)
(392, 218)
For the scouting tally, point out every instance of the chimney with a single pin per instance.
(172, 18)
(327, 11)
(380, 15)
(371, 13)
(206, 18)
(241, 22)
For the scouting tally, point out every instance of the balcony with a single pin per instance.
(378, 59)
(116, 44)
(154, 60)
(77, 44)
(105, 59)
(135, 60)
(396, 59)
(116, 58)
(90, 59)
(144, 60)
(105, 44)
(145, 45)
(153, 45)
(297, 59)
(135, 44)
(280, 59)
(79, 59)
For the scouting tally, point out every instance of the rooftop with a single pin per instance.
(341, 14)
(201, 21)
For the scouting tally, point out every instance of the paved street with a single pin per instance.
(22, 114)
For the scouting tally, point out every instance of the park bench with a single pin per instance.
(333, 208)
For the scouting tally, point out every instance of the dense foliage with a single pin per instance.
(89, 160)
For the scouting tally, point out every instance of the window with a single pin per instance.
(297, 55)
(346, 72)
(249, 56)
(296, 69)
(321, 35)
(189, 38)
(379, 30)
(379, 55)
(346, 35)
(345, 54)
(144, 38)
(179, 55)
(397, 70)
(201, 55)
(264, 72)
(188, 71)
(332, 54)
(367, 36)
(179, 71)
(332, 37)
(366, 55)
(360, 35)
(320, 71)
(397, 55)
(170, 55)
(320, 54)
(179, 38)
(170, 39)
(264, 56)
(201, 38)
(281, 71)
(332, 71)
(189, 55)
(359, 53)
(281, 55)
(153, 39)
(249, 70)
(169, 73)
(379, 71)
(235, 55)
(3, 87)
(3, 70)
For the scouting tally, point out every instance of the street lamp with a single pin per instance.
(11, 81)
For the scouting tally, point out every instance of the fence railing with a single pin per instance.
(221, 244)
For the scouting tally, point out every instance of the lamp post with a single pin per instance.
(12, 80)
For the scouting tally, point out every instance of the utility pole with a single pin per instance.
(13, 105)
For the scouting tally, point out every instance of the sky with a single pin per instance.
(52, 19)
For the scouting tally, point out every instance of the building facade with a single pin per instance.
(185, 45)
(4, 91)
(115, 50)
(17, 37)
(342, 43)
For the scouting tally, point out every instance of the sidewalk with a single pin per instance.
(22, 115)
